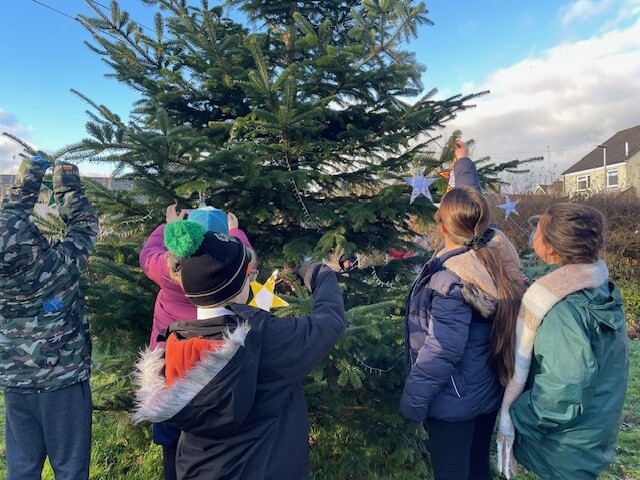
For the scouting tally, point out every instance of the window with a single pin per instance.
(612, 177)
(584, 182)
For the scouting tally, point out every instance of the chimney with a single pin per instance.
(626, 149)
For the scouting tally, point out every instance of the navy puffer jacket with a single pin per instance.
(448, 346)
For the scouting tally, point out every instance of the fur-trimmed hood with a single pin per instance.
(241, 408)
(478, 287)
(158, 402)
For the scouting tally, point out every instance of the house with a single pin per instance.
(613, 166)
(113, 183)
(554, 189)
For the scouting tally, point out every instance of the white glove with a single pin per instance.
(507, 464)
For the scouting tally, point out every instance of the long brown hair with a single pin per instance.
(465, 214)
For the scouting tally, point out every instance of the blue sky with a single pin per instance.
(562, 74)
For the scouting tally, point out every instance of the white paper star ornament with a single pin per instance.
(420, 186)
(509, 206)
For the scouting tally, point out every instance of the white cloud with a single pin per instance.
(582, 10)
(569, 98)
(8, 148)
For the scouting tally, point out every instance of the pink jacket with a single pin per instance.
(171, 303)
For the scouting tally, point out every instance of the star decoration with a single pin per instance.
(449, 177)
(263, 296)
(420, 186)
(509, 206)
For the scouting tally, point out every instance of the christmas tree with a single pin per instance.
(297, 121)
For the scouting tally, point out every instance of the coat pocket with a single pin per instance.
(458, 386)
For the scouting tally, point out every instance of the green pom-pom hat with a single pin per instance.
(183, 237)
(214, 268)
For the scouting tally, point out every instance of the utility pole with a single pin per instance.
(549, 157)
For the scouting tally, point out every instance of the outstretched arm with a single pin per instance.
(464, 169)
(153, 255)
(296, 345)
(235, 231)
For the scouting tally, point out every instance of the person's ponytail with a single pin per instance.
(510, 288)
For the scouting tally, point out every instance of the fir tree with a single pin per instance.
(300, 125)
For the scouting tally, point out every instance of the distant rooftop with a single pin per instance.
(616, 151)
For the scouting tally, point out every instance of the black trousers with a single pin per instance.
(460, 450)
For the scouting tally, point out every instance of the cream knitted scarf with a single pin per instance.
(536, 303)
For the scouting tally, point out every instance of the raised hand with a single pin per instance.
(173, 215)
(460, 150)
(232, 220)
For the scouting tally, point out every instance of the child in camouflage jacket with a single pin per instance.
(45, 345)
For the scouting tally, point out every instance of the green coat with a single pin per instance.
(568, 417)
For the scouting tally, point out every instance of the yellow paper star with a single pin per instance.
(263, 296)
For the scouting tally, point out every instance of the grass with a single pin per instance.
(122, 450)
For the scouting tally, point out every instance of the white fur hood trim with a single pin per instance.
(156, 402)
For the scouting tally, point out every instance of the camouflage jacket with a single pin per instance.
(44, 329)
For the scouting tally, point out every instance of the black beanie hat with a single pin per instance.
(213, 266)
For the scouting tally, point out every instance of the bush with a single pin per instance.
(622, 239)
